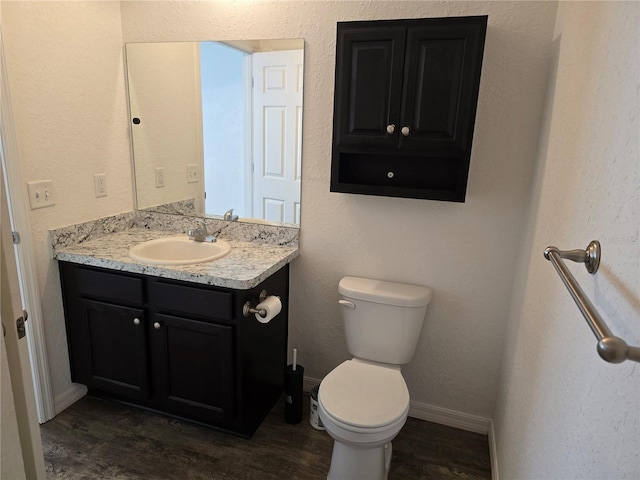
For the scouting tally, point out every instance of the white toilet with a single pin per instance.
(364, 402)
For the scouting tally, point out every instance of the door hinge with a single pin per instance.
(20, 326)
(16, 237)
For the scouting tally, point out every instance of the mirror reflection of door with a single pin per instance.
(277, 135)
(252, 130)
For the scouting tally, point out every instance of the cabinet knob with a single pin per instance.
(405, 131)
(136, 321)
(390, 174)
(391, 129)
(156, 325)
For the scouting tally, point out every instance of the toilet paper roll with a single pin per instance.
(272, 307)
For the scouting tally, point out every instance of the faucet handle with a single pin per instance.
(228, 215)
(199, 234)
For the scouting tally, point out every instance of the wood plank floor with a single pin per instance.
(98, 439)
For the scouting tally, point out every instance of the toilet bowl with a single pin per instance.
(364, 402)
(363, 406)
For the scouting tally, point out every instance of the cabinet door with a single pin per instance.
(368, 86)
(442, 75)
(193, 367)
(113, 349)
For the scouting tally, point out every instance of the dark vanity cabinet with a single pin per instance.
(405, 102)
(176, 347)
(103, 310)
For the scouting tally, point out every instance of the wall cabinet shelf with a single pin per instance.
(404, 109)
(175, 347)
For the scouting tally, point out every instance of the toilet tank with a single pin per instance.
(382, 320)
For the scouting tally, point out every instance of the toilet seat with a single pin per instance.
(365, 396)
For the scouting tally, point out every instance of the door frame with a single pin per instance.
(27, 442)
(25, 257)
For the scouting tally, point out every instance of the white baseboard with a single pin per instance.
(493, 452)
(451, 418)
(431, 413)
(69, 397)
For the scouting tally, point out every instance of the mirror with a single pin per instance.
(217, 126)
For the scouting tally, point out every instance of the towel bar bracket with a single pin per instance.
(610, 348)
(590, 257)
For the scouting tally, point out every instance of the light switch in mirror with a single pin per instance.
(222, 121)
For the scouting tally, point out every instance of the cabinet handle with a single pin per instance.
(391, 129)
(156, 325)
(405, 131)
(136, 321)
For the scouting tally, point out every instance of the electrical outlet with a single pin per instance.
(41, 194)
(159, 177)
(192, 173)
(100, 184)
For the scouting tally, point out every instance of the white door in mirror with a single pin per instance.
(277, 135)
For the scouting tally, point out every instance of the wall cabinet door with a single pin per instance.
(368, 84)
(193, 366)
(438, 103)
(111, 341)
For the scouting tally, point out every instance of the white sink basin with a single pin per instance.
(178, 250)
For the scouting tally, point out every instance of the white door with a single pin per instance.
(11, 461)
(277, 135)
(27, 443)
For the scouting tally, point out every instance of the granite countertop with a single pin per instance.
(248, 263)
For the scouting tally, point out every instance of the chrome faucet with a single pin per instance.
(200, 234)
(228, 215)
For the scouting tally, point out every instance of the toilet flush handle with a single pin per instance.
(347, 303)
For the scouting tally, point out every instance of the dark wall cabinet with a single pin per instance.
(405, 102)
(180, 348)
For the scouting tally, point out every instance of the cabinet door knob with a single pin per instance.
(156, 325)
(136, 321)
(391, 129)
(405, 131)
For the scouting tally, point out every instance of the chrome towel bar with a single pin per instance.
(611, 348)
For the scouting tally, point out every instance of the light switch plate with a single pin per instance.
(192, 173)
(100, 184)
(41, 194)
(159, 177)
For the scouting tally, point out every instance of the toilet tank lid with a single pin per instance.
(388, 293)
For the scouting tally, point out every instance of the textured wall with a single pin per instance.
(65, 71)
(463, 251)
(65, 66)
(562, 411)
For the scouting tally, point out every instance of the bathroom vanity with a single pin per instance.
(149, 336)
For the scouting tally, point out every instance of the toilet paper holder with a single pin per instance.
(247, 309)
